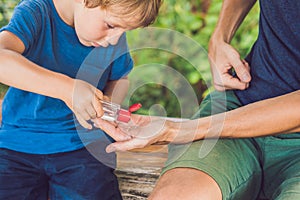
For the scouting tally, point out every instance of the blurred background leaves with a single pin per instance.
(196, 19)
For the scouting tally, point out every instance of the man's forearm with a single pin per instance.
(231, 16)
(268, 117)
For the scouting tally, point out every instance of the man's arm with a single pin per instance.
(273, 116)
(231, 16)
(278, 115)
(268, 117)
(224, 57)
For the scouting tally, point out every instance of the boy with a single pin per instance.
(48, 57)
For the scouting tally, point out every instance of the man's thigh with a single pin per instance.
(232, 163)
(282, 167)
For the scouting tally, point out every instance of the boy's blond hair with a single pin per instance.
(144, 12)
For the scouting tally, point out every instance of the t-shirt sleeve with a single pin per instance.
(25, 22)
(124, 63)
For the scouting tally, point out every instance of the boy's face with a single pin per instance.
(97, 27)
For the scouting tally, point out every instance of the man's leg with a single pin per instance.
(228, 168)
(282, 167)
(231, 168)
(186, 183)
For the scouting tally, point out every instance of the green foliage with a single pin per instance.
(6, 8)
(195, 20)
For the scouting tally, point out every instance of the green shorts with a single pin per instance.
(254, 168)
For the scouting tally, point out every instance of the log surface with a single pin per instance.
(138, 171)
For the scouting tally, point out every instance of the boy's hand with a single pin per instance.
(223, 59)
(85, 102)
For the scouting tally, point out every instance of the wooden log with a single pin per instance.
(138, 171)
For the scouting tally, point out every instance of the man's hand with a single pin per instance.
(223, 60)
(147, 130)
(143, 131)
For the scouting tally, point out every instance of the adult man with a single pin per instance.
(260, 160)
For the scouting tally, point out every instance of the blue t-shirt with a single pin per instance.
(39, 124)
(275, 57)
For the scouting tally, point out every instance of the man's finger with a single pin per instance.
(125, 146)
(230, 82)
(242, 71)
(111, 130)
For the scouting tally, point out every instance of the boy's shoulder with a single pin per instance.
(36, 5)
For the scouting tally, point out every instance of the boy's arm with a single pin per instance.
(224, 57)
(117, 90)
(19, 72)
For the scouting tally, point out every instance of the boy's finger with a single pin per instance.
(83, 122)
(84, 114)
(98, 94)
(98, 107)
(106, 98)
(91, 111)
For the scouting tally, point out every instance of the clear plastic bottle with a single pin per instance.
(113, 112)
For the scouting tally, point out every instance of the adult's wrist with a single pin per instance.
(171, 130)
(217, 39)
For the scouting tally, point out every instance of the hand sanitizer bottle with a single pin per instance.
(113, 112)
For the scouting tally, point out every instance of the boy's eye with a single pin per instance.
(110, 26)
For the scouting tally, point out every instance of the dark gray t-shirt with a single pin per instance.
(275, 57)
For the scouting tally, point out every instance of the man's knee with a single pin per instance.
(186, 183)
